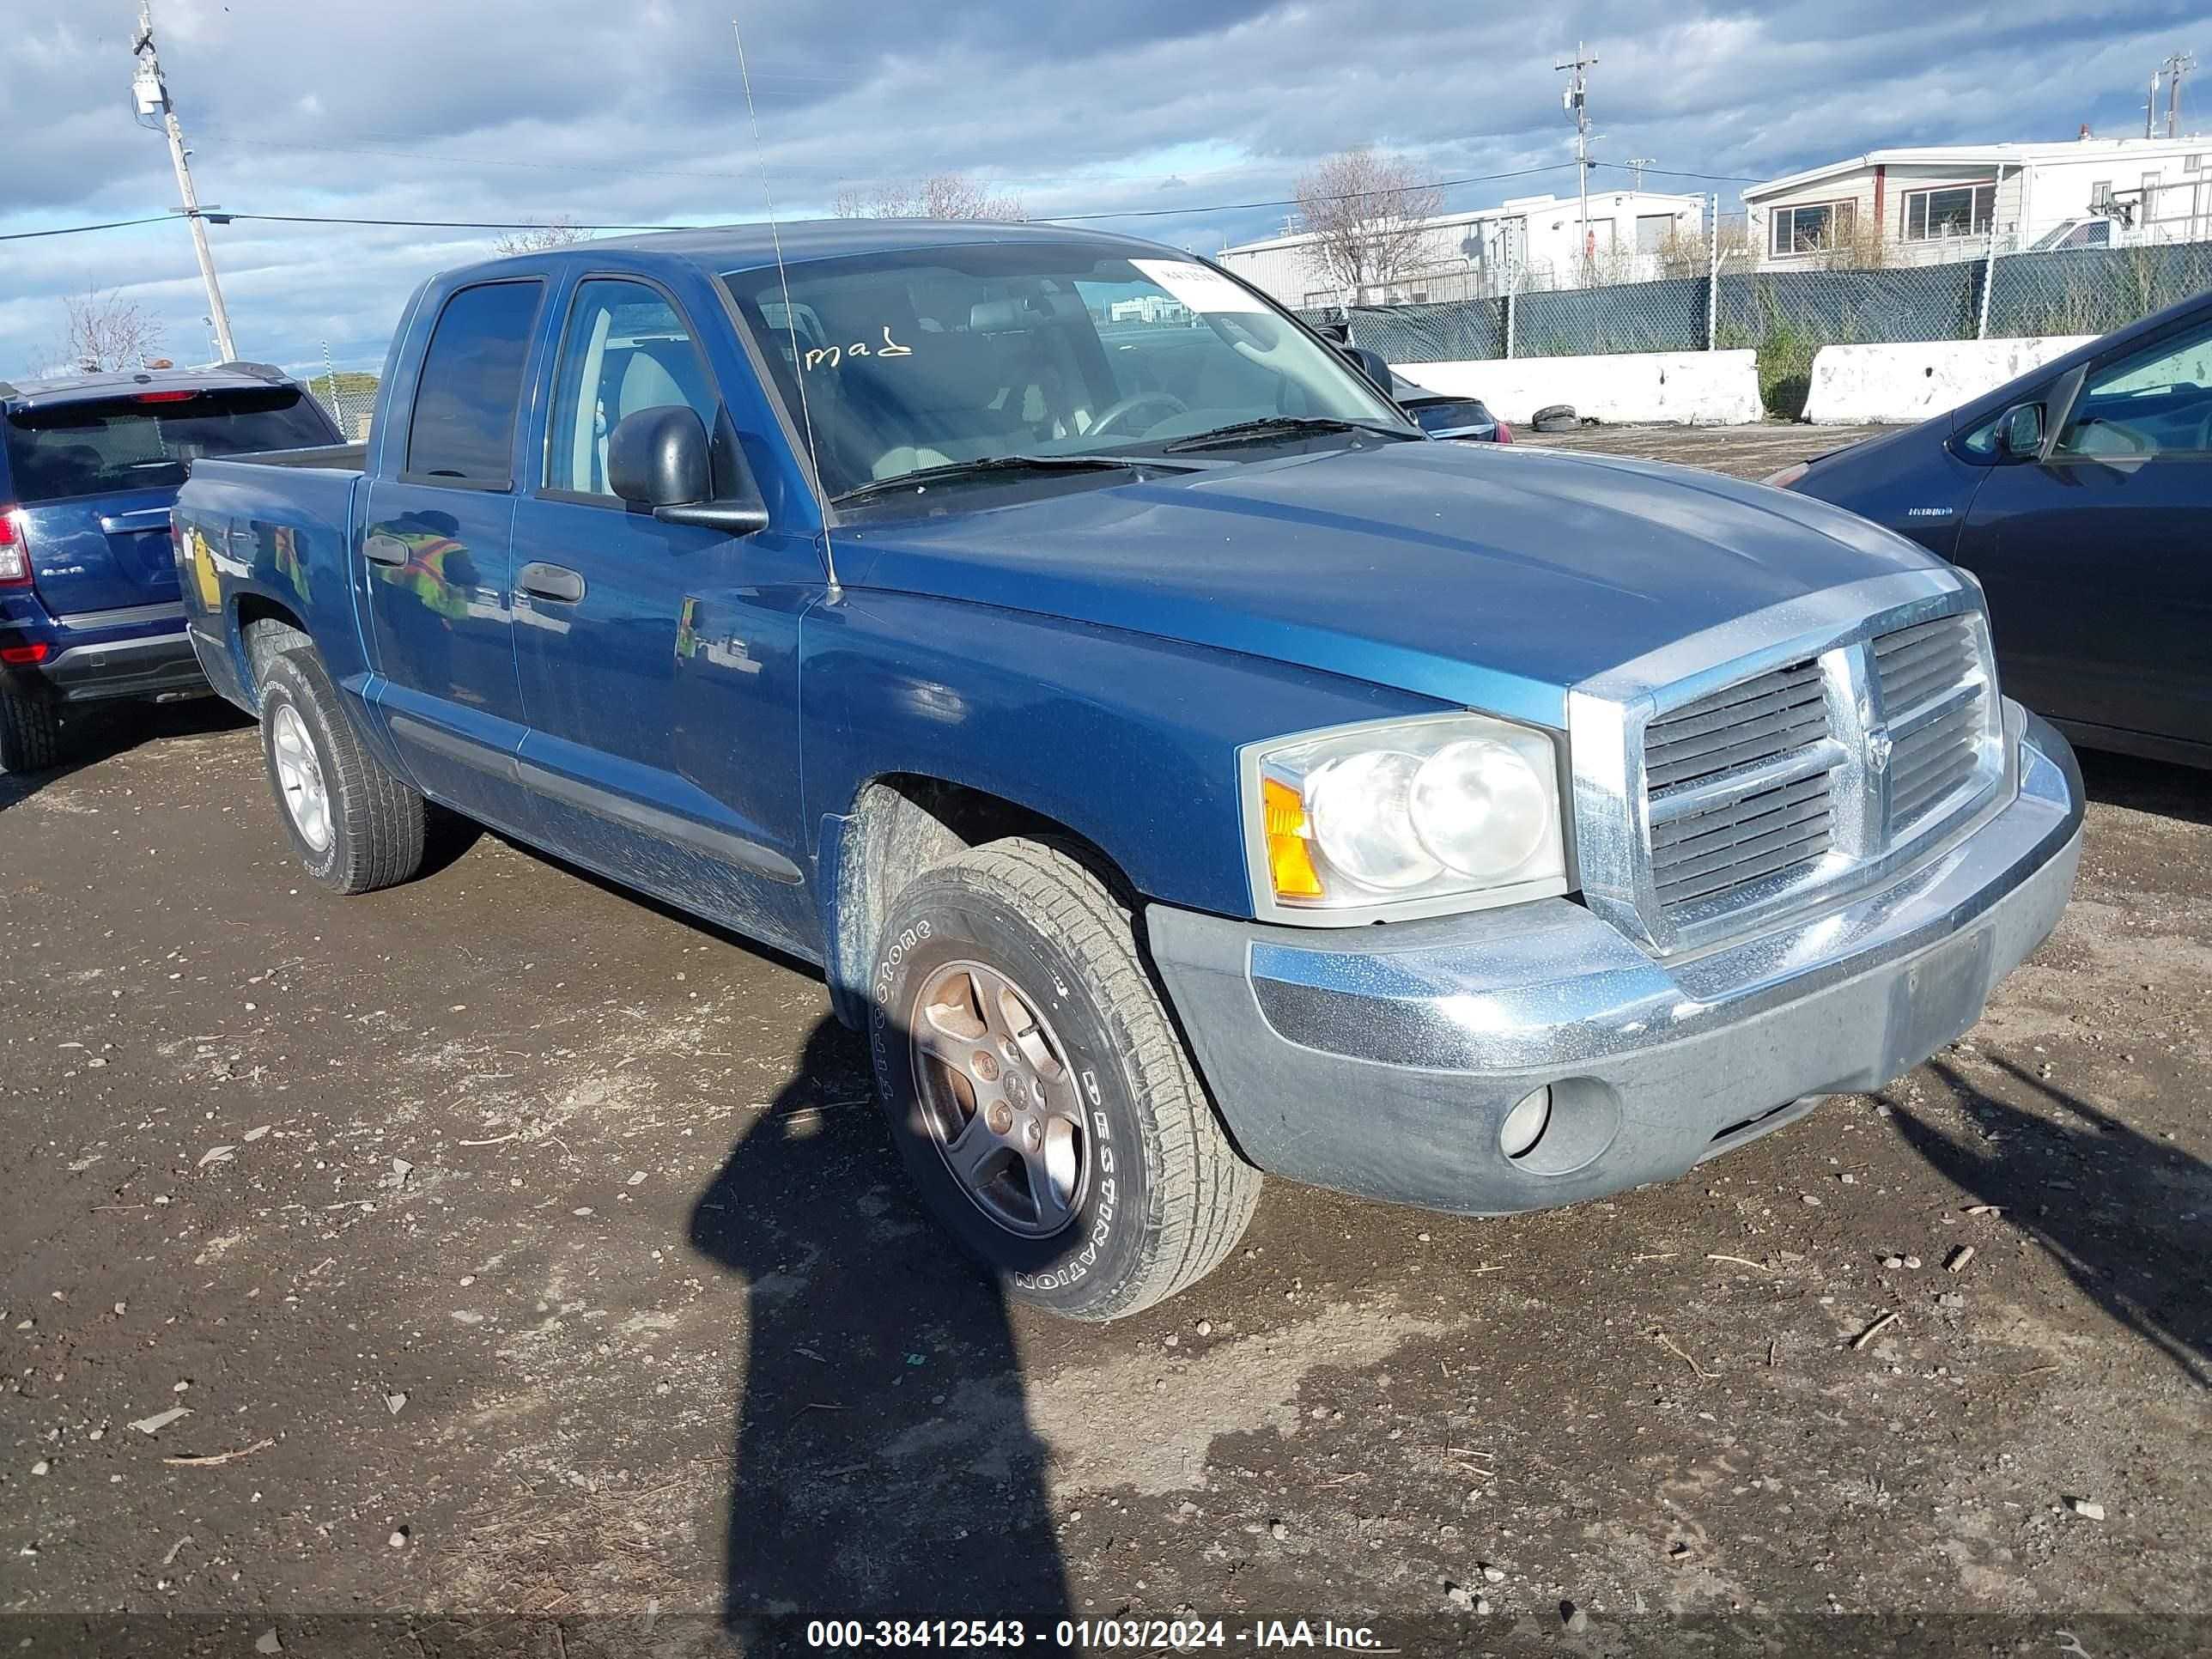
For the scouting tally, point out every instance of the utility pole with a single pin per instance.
(2177, 65)
(1636, 164)
(1575, 101)
(151, 94)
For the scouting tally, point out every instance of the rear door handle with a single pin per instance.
(552, 581)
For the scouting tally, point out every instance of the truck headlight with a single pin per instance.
(1404, 818)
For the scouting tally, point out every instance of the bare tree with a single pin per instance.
(940, 196)
(103, 331)
(1683, 252)
(1365, 210)
(554, 232)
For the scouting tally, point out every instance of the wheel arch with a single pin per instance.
(899, 823)
(260, 627)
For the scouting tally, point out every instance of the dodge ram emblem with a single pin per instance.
(1878, 747)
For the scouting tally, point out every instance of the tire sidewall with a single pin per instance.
(941, 919)
(287, 684)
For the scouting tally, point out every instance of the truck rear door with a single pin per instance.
(95, 479)
(435, 537)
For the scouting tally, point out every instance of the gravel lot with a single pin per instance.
(515, 1246)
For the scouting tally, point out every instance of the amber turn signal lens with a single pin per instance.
(1290, 853)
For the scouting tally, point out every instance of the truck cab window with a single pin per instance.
(471, 384)
(625, 350)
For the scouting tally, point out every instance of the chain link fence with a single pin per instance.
(1787, 316)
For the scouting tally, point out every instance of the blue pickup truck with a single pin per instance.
(1181, 765)
(89, 466)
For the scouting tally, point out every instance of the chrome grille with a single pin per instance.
(1708, 805)
(1760, 836)
(1737, 784)
(1932, 697)
(1738, 726)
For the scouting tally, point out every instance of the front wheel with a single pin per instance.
(1039, 1094)
(354, 826)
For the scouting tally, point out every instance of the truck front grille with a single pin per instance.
(1737, 784)
(1800, 779)
(1933, 691)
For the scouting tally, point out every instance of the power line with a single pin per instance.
(78, 230)
(1042, 218)
(438, 224)
(1293, 201)
(1677, 173)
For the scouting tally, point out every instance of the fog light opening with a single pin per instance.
(1525, 1124)
(1561, 1128)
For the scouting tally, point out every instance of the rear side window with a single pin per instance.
(144, 440)
(463, 430)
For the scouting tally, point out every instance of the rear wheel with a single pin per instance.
(30, 733)
(1039, 1093)
(354, 826)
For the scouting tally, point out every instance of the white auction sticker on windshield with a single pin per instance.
(1201, 289)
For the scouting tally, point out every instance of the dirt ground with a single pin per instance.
(513, 1247)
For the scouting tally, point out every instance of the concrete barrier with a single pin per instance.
(1859, 385)
(1687, 388)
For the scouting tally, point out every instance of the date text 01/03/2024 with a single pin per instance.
(1178, 1635)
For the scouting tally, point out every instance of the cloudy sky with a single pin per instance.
(631, 112)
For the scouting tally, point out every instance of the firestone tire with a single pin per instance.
(1159, 1196)
(30, 733)
(354, 826)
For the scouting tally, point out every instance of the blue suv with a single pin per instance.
(89, 467)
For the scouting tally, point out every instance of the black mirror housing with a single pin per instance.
(658, 458)
(1373, 365)
(1336, 329)
(2020, 432)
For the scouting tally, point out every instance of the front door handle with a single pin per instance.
(552, 581)
(377, 549)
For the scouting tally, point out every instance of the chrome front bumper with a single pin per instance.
(1384, 1063)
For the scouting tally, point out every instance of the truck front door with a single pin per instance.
(658, 662)
(435, 545)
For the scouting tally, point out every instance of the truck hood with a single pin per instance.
(1493, 579)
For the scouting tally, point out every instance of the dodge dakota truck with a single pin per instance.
(1180, 764)
(89, 465)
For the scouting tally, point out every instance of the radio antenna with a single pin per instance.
(790, 314)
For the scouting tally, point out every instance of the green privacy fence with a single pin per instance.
(2077, 291)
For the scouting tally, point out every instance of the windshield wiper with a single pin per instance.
(1273, 426)
(985, 465)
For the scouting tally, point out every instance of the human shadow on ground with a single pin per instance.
(2127, 1215)
(883, 1464)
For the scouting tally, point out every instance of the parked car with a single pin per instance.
(89, 466)
(1176, 780)
(1443, 415)
(2080, 496)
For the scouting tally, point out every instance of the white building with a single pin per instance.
(1148, 308)
(1927, 205)
(1530, 242)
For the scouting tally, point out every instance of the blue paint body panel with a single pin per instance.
(708, 709)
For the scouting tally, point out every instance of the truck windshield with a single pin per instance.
(142, 441)
(935, 357)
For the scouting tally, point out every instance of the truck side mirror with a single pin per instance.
(2020, 432)
(660, 459)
